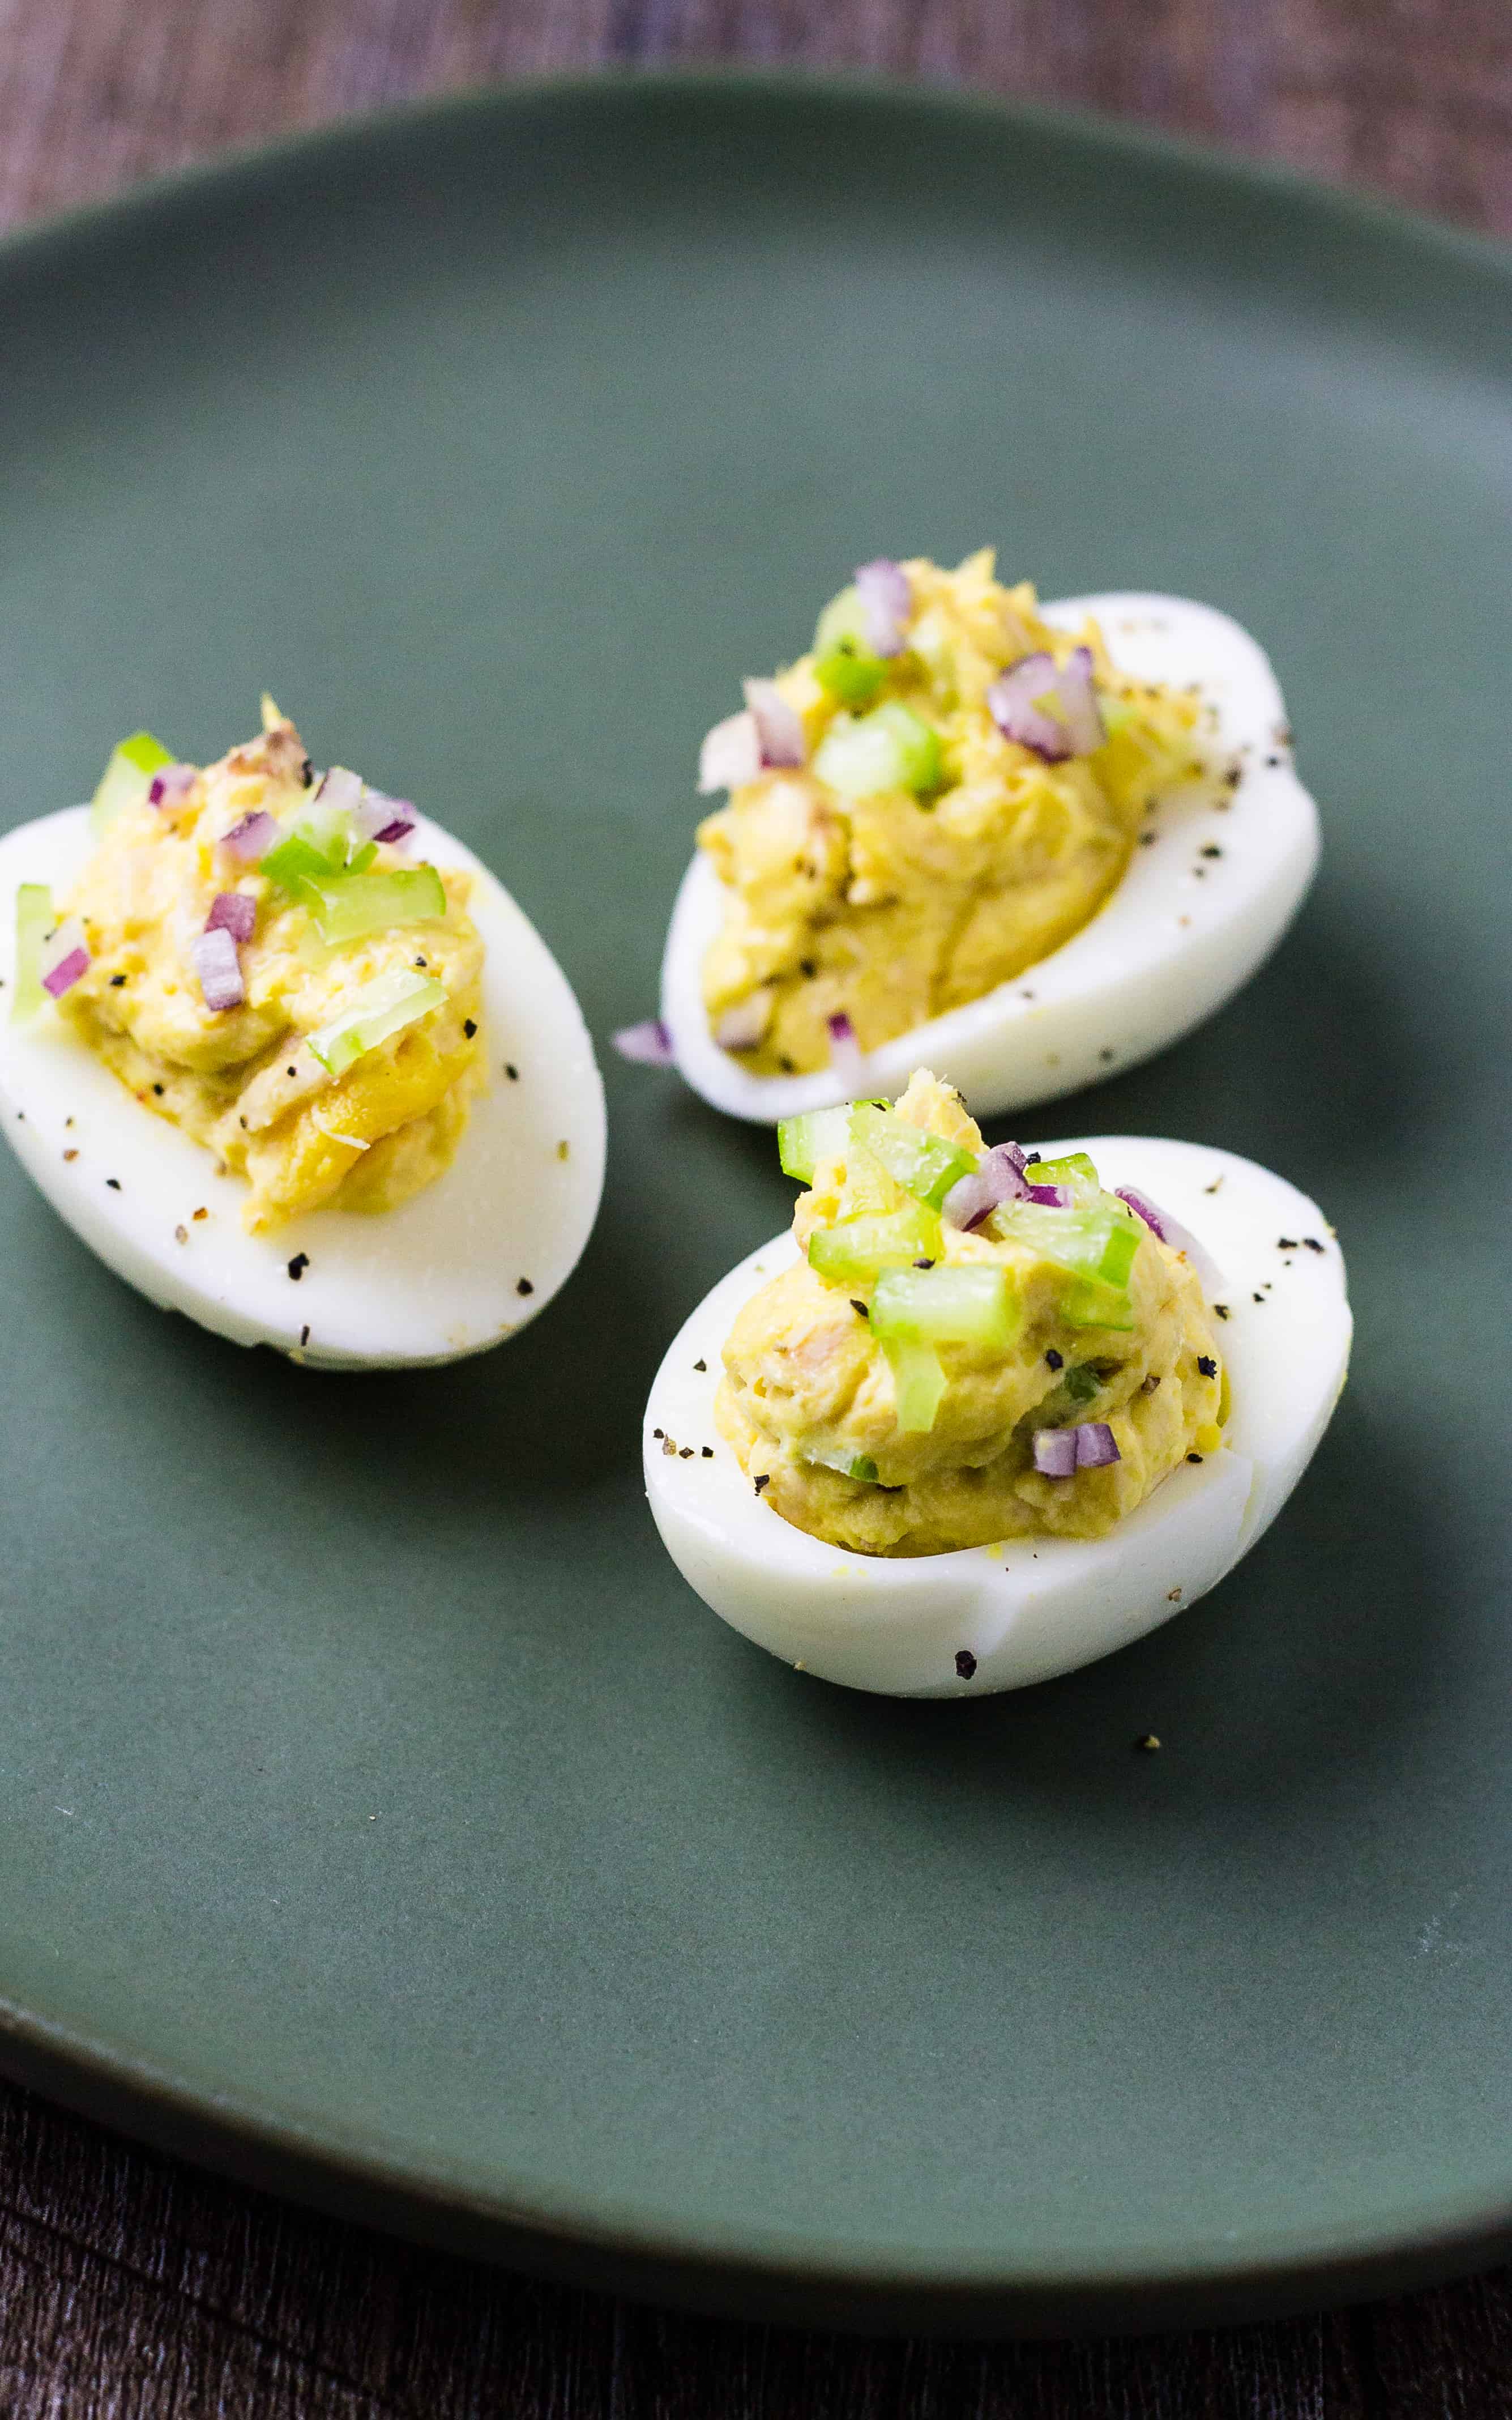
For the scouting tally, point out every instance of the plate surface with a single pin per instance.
(379, 1815)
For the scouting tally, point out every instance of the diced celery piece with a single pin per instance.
(925, 1165)
(34, 921)
(960, 1306)
(1087, 1304)
(127, 777)
(890, 749)
(1075, 1168)
(803, 1141)
(1081, 1383)
(856, 1249)
(372, 1014)
(1097, 1239)
(359, 863)
(850, 1466)
(852, 679)
(919, 1383)
(347, 907)
(294, 860)
(868, 1187)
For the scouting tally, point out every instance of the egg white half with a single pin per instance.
(1176, 937)
(435, 1279)
(1031, 1606)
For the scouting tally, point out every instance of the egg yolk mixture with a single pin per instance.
(909, 1388)
(943, 830)
(244, 1079)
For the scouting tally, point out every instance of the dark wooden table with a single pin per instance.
(133, 2288)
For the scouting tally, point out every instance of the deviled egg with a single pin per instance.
(985, 1415)
(291, 1061)
(1026, 845)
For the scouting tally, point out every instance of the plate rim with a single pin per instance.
(775, 2274)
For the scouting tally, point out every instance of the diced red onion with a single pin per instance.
(648, 1044)
(778, 727)
(845, 1053)
(887, 601)
(377, 817)
(1078, 702)
(1010, 704)
(1091, 1446)
(251, 838)
(731, 754)
(1054, 1452)
(172, 785)
(66, 967)
(741, 1027)
(233, 912)
(1000, 1178)
(1169, 1230)
(341, 790)
(219, 968)
(1095, 1446)
(1049, 1197)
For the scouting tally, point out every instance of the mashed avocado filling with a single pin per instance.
(921, 1441)
(245, 1081)
(920, 858)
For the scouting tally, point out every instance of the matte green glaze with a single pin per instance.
(378, 1812)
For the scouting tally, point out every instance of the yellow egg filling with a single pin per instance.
(243, 1080)
(897, 906)
(810, 1394)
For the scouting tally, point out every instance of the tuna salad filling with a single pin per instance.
(935, 797)
(941, 1369)
(262, 961)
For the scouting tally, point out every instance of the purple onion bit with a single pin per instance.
(170, 788)
(1091, 1446)
(219, 970)
(731, 755)
(1054, 1452)
(64, 974)
(648, 1044)
(1011, 702)
(251, 838)
(1000, 1178)
(1049, 1197)
(233, 912)
(780, 736)
(377, 817)
(1143, 1208)
(1095, 1445)
(886, 604)
(845, 1053)
(340, 790)
(1078, 703)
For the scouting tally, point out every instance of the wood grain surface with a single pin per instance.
(134, 2289)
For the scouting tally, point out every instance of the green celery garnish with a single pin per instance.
(925, 1165)
(347, 907)
(850, 1466)
(1081, 1383)
(1087, 1304)
(802, 1142)
(372, 1014)
(961, 1306)
(296, 859)
(34, 921)
(890, 749)
(919, 1383)
(854, 1251)
(127, 777)
(1075, 1168)
(843, 662)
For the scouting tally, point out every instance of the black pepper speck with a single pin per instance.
(859, 1308)
(512, 1073)
(700, 1365)
(524, 1286)
(298, 1266)
(763, 1479)
(965, 1663)
(1312, 1243)
(1208, 1366)
(1057, 1360)
(304, 1336)
(469, 1026)
(114, 1182)
(1194, 1457)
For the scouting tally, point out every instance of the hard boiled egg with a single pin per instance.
(456, 1268)
(1000, 1616)
(1220, 873)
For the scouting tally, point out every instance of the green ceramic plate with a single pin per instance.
(379, 1815)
